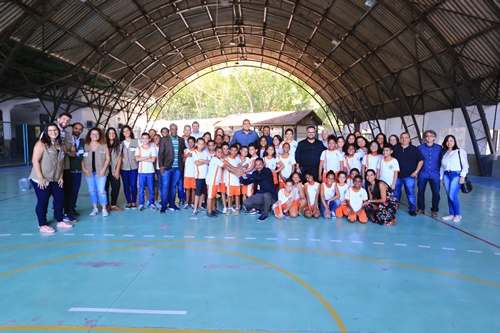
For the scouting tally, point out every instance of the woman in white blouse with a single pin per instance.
(454, 168)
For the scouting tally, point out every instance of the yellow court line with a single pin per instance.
(350, 256)
(121, 329)
(323, 301)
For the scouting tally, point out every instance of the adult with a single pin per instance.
(152, 133)
(410, 161)
(393, 140)
(129, 167)
(196, 130)
(266, 195)
(164, 131)
(95, 164)
(170, 160)
(291, 141)
(429, 173)
(382, 141)
(47, 177)
(324, 137)
(75, 168)
(219, 131)
(62, 122)
(245, 136)
(113, 179)
(266, 132)
(70, 152)
(454, 169)
(382, 203)
(308, 153)
(186, 133)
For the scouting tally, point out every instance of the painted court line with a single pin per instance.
(271, 238)
(88, 234)
(424, 246)
(5, 235)
(335, 241)
(148, 236)
(128, 235)
(169, 236)
(26, 234)
(399, 244)
(250, 238)
(378, 243)
(68, 234)
(448, 248)
(209, 237)
(188, 236)
(138, 311)
(357, 242)
(497, 253)
(229, 237)
(474, 251)
(315, 240)
(293, 239)
(109, 235)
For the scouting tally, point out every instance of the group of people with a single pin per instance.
(328, 176)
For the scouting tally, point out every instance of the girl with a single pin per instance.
(277, 139)
(129, 166)
(350, 140)
(272, 163)
(329, 196)
(300, 198)
(113, 179)
(262, 146)
(288, 162)
(362, 144)
(340, 145)
(330, 160)
(352, 159)
(382, 204)
(311, 190)
(372, 160)
(219, 131)
(286, 195)
(341, 188)
(289, 139)
(381, 140)
(393, 140)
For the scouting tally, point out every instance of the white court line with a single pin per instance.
(26, 234)
(497, 253)
(5, 235)
(68, 234)
(474, 251)
(229, 237)
(128, 235)
(88, 234)
(169, 236)
(335, 241)
(448, 248)
(271, 238)
(315, 240)
(249, 237)
(113, 310)
(109, 235)
(148, 236)
(188, 236)
(378, 243)
(425, 246)
(357, 242)
(399, 244)
(293, 239)
(209, 237)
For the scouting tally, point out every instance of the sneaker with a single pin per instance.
(237, 212)
(252, 212)
(69, 218)
(153, 207)
(434, 214)
(146, 204)
(128, 206)
(162, 211)
(194, 212)
(63, 224)
(218, 212)
(46, 229)
(174, 208)
(412, 213)
(118, 208)
(262, 218)
(133, 205)
(228, 212)
(457, 218)
(448, 217)
(224, 211)
(158, 205)
(419, 211)
(94, 212)
(74, 213)
(191, 205)
(212, 214)
(287, 214)
(141, 208)
(203, 209)
(234, 210)
(186, 206)
(105, 213)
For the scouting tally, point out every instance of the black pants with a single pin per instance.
(261, 201)
(115, 189)
(67, 188)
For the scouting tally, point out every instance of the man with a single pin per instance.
(324, 137)
(265, 196)
(62, 122)
(170, 159)
(266, 132)
(186, 134)
(410, 161)
(308, 153)
(429, 173)
(196, 130)
(245, 136)
(73, 173)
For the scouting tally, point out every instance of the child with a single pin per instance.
(389, 167)
(225, 177)
(189, 171)
(146, 156)
(247, 190)
(213, 180)
(286, 200)
(354, 172)
(372, 160)
(329, 196)
(157, 179)
(288, 162)
(341, 189)
(277, 139)
(289, 139)
(272, 163)
(300, 197)
(356, 198)
(311, 190)
(201, 160)
(330, 160)
(263, 146)
(233, 184)
(210, 148)
(352, 159)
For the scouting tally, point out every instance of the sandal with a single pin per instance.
(46, 229)
(63, 224)
(390, 223)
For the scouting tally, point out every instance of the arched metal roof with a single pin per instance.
(368, 60)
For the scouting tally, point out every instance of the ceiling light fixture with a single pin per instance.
(369, 3)
(335, 42)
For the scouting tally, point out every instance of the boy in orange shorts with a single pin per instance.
(233, 186)
(341, 189)
(286, 202)
(356, 198)
(189, 172)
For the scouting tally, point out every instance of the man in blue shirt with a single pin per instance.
(429, 173)
(245, 136)
(410, 161)
(265, 192)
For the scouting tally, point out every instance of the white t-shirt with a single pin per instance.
(354, 162)
(288, 164)
(233, 180)
(356, 198)
(201, 170)
(293, 146)
(371, 161)
(146, 167)
(328, 192)
(331, 160)
(387, 169)
(342, 191)
(270, 163)
(189, 166)
(283, 198)
(311, 191)
(214, 174)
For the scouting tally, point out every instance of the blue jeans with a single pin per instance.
(76, 182)
(180, 188)
(435, 186)
(96, 189)
(332, 206)
(42, 203)
(451, 185)
(146, 179)
(409, 183)
(129, 178)
(169, 181)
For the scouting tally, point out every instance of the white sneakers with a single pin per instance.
(105, 213)
(94, 212)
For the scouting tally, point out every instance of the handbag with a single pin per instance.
(466, 187)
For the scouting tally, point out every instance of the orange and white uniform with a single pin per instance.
(233, 181)
(282, 201)
(387, 169)
(342, 209)
(328, 192)
(271, 163)
(353, 162)
(293, 146)
(331, 161)
(311, 192)
(288, 166)
(146, 167)
(214, 176)
(372, 161)
(189, 170)
(247, 189)
(201, 170)
(356, 199)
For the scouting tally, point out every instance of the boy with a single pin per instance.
(189, 172)
(341, 189)
(286, 196)
(247, 190)
(356, 198)
(311, 189)
(201, 160)
(146, 156)
(288, 162)
(211, 148)
(213, 180)
(328, 196)
(389, 167)
(330, 160)
(225, 176)
(233, 185)
(354, 172)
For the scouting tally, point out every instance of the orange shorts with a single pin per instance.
(341, 211)
(234, 190)
(212, 191)
(313, 208)
(189, 183)
(275, 178)
(247, 190)
(282, 184)
(277, 208)
(222, 188)
(351, 216)
(295, 203)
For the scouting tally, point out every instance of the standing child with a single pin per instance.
(233, 184)
(341, 188)
(389, 167)
(247, 190)
(277, 140)
(330, 160)
(288, 162)
(272, 163)
(201, 160)
(225, 177)
(213, 180)
(146, 157)
(356, 198)
(189, 172)
(262, 146)
(329, 196)
(311, 189)
(289, 139)
(372, 160)
(352, 159)
(286, 200)
(210, 148)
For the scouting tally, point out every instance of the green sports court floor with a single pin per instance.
(146, 272)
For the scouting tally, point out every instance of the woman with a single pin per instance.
(129, 166)
(277, 140)
(382, 141)
(115, 153)
(219, 131)
(454, 168)
(382, 203)
(47, 177)
(351, 139)
(393, 140)
(95, 164)
(289, 139)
